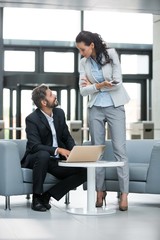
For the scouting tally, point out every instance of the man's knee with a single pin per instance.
(43, 157)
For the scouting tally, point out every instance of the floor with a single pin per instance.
(141, 222)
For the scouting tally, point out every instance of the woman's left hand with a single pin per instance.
(85, 82)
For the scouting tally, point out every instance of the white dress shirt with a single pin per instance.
(54, 135)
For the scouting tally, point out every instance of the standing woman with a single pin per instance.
(101, 79)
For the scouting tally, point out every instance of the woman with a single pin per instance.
(101, 78)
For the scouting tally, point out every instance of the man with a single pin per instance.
(48, 141)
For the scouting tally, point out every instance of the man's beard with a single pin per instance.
(52, 105)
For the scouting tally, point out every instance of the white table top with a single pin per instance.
(92, 164)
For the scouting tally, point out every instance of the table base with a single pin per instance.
(96, 212)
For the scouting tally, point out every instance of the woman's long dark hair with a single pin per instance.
(100, 46)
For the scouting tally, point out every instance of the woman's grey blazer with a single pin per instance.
(111, 71)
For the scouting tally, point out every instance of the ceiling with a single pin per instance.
(140, 6)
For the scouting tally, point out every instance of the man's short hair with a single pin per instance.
(39, 94)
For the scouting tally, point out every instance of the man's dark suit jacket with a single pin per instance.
(39, 133)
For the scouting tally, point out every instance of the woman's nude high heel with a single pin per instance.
(101, 198)
(123, 203)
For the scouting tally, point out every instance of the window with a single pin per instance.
(41, 24)
(59, 62)
(6, 106)
(135, 64)
(133, 107)
(19, 61)
(26, 109)
(64, 102)
(116, 27)
(73, 104)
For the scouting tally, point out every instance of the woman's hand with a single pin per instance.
(107, 84)
(104, 84)
(85, 82)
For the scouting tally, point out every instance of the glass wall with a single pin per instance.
(64, 25)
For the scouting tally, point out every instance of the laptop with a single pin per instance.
(86, 153)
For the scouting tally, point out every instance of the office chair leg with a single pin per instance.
(67, 199)
(7, 203)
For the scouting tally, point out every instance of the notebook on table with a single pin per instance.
(86, 153)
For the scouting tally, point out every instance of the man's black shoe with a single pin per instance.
(37, 205)
(45, 198)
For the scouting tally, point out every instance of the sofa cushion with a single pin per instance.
(137, 172)
(27, 177)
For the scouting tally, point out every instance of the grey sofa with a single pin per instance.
(144, 166)
(15, 180)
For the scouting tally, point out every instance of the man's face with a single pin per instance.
(51, 99)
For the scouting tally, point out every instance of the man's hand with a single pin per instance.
(64, 152)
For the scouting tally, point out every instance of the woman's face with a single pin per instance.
(86, 51)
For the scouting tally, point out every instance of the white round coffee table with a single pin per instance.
(91, 166)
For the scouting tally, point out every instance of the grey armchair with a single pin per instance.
(15, 180)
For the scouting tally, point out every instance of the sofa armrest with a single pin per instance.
(153, 177)
(11, 181)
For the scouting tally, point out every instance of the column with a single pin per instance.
(156, 77)
(1, 63)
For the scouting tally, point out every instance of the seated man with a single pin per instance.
(48, 141)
